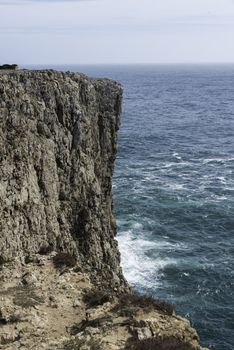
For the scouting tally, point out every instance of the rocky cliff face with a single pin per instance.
(61, 285)
(58, 136)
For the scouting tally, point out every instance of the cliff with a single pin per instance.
(57, 150)
(61, 282)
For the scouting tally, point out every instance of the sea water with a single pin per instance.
(174, 189)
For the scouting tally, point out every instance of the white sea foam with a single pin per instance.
(229, 188)
(175, 186)
(176, 155)
(218, 160)
(222, 179)
(137, 225)
(140, 269)
(171, 164)
(220, 198)
(151, 177)
(213, 160)
(186, 274)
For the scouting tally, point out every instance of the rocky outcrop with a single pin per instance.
(55, 307)
(58, 137)
(61, 282)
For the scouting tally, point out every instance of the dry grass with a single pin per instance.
(77, 343)
(128, 304)
(169, 343)
(96, 323)
(74, 344)
(26, 298)
(23, 296)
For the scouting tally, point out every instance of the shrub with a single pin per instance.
(96, 323)
(27, 298)
(96, 297)
(3, 261)
(73, 344)
(170, 343)
(3, 321)
(144, 301)
(14, 318)
(64, 260)
(77, 343)
(127, 311)
(45, 249)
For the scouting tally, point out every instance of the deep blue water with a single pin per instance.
(174, 189)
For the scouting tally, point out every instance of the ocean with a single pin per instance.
(174, 189)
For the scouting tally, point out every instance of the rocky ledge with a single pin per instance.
(62, 286)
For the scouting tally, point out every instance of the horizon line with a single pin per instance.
(125, 64)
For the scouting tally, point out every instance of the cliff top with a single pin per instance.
(51, 72)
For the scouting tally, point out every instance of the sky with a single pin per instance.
(122, 31)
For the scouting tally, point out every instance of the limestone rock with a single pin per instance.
(58, 143)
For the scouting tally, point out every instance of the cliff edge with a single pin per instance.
(62, 286)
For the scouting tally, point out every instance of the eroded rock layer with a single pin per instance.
(57, 149)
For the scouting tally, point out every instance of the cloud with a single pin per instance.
(54, 0)
(24, 2)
